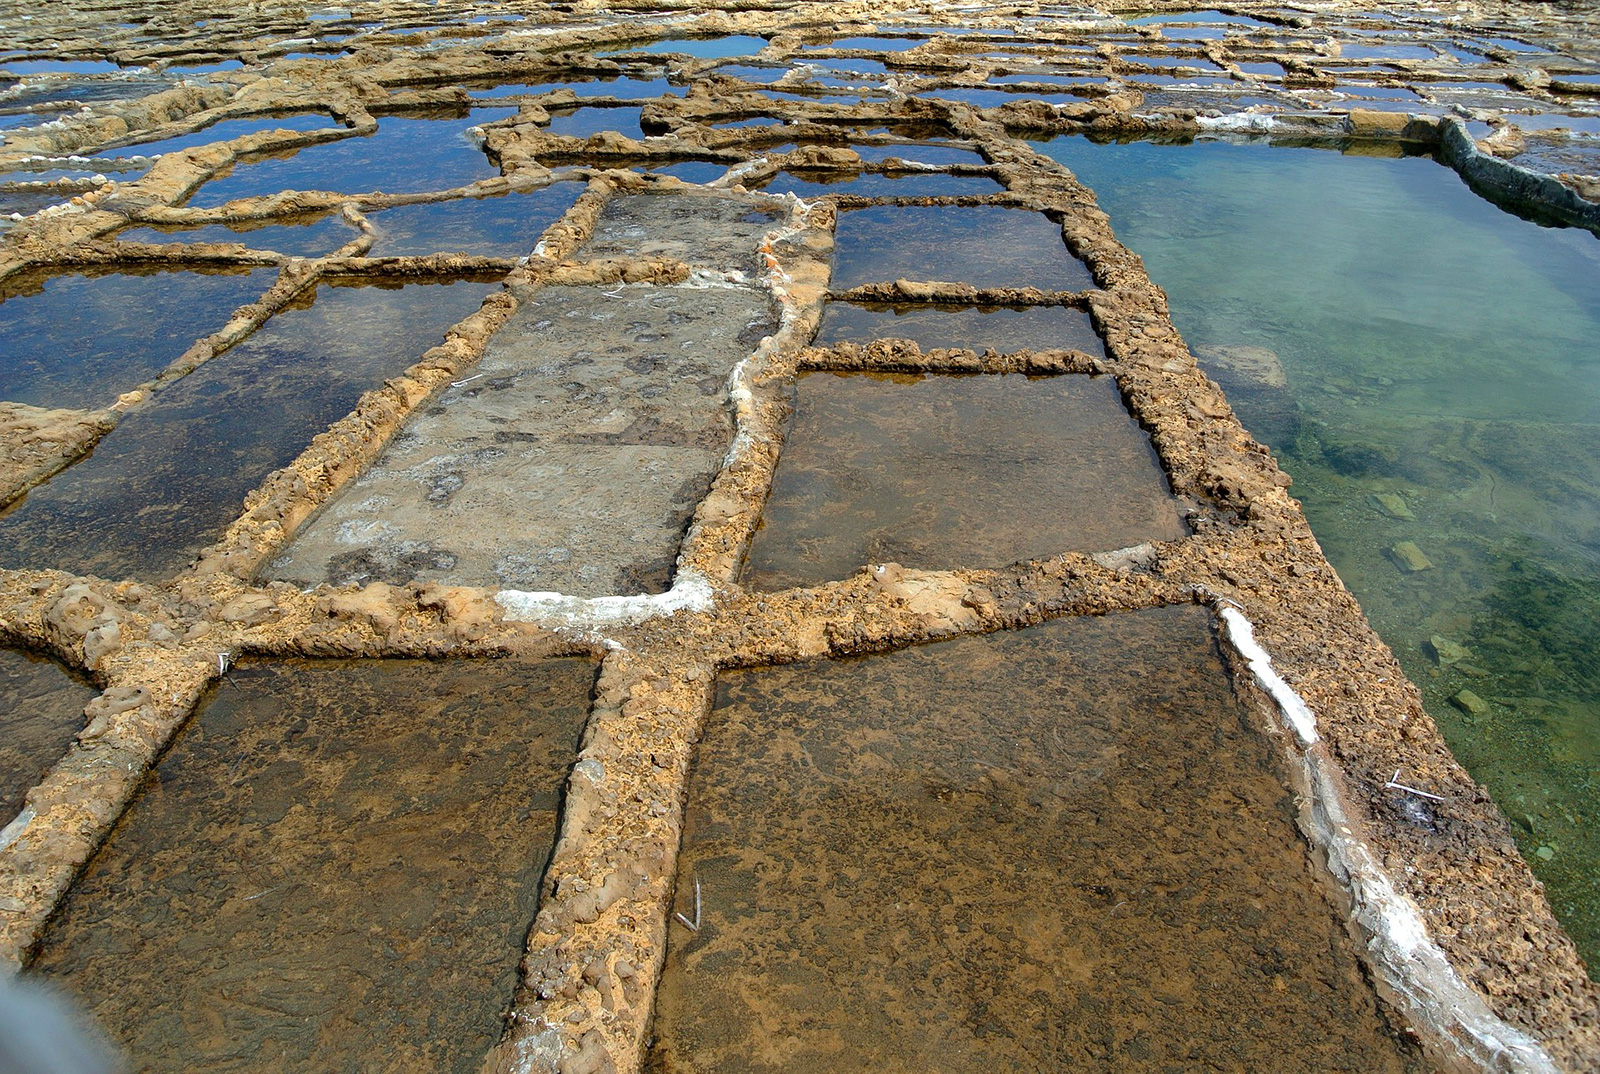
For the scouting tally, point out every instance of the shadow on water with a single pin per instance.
(41, 711)
(1422, 363)
(1019, 851)
(333, 867)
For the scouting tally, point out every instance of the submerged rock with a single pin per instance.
(1409, 558)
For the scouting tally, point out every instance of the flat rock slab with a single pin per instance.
(41, 711)
(332, 868)
(983, 245)
(938, 472)
(1060, 848)
(570, 461)
(721, 233)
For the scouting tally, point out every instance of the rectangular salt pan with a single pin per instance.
(1055, 849)
(943, 472)
(80, 339)
(405, 155)
(570, 459)
(985, 246)
(507, 226)
(166, 481)
(332, 868)
(1002, 329)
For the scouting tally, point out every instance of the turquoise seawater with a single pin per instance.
(1427, 368)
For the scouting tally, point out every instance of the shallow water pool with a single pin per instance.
(332, 868)
(406, 154)
(1424, 366)
(165, 482)
(981, 855)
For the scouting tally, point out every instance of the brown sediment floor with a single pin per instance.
(1457, 940)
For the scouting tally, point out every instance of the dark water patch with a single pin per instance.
(1170, 61)
(584, 122)
(1210, 102)
(1046, 79)
(1510, 44)
(690, 171)
(1387, 93)
(185, 70)
(1194, 33)
(571, 460)
(752, 72)
(938, 472)
(76, 67)
(1554, 121)
(229, 129)
(27, 202)
(405, 155)
(855, 66)
(870, 44)
(758, 121)
(1141, 78)
(332, 868)
(978, 328)
(1202, 17)
(506, 226)
(81, 339)
(63, 91)
(616, 87)
(312, 236)
(1397, 336)
(1387, 52)
(172, 475)
(41, 711)
(872, 185)
(986, 246)
(703, 48)
(993, 98)
(1060, 848)
(922, 153)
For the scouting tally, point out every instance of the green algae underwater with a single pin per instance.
(1423, 365)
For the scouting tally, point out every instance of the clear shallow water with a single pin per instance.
(165, 482)
(704, 48)
(313, 236)
(332, 868)
(937, 472)
(979, 328)
(405, 155)
(81, 339)
(41, 710)
(1019, 248)
(981, 855)
(622, 88)
(873, 185)
(227, 130)
(507, 226)
(1388, 332)
(584, 122)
